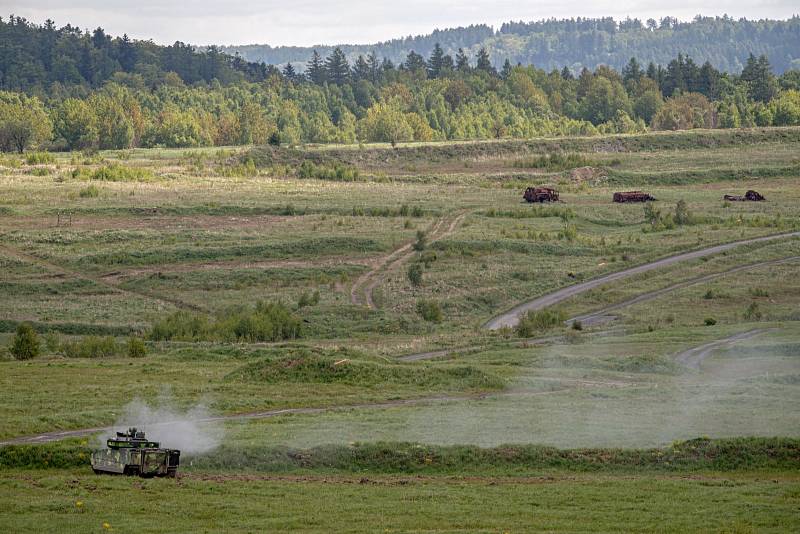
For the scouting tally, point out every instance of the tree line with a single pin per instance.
(438, 97)
(587, 42)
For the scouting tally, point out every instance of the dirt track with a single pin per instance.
(511, 317)
(694, 357)
(602, 315)
(52, 267)
(368, 281)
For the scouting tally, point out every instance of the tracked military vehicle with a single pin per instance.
(130, 453)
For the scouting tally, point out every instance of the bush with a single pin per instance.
(136, 348)
(331, 171)
(710, 321)
(415, 274)
(753, 312)
(89, 192)
(40, 158)
(421, 242)
(535, 322)
(308, 299)
(25, 344)
(113, 173)
(429, 310)
(554, 162)
(91, 347)
(264, 322)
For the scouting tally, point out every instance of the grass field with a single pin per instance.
(412, 253)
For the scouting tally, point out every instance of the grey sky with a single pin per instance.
(309, 22)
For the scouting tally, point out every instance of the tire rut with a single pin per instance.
(370, 280)
(52, 267)
(511, 317)
(694, 357)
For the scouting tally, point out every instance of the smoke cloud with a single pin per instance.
(193, 431)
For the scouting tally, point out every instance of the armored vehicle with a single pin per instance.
(632, 196)
(750, 196)
(130, 453)
(540, 194)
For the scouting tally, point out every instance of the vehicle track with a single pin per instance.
(602, 316)
(511, 317)
(694, 357)
(54, 268)
(367, 282)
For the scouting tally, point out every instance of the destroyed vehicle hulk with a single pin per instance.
(540, 194)
(751, 196)
(632, 196)
(130, 453)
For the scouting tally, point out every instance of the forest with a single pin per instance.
(66, 89)
(585, 42)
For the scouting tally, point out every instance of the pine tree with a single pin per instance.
(414, 62)
(289, 73)
(436, 62)
(315, 70)
(462, 61)
(566, 74)
(632, 72)
(336, 67)
(374, 66)
(506, 72)
(708, 80)
(761, 83)
(484, 63)
(361, 69)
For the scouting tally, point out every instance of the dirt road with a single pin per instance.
(511, 317)
(364, 286)
(603, 315)
(694, 357)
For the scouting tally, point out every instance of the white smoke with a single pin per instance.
(192, 431)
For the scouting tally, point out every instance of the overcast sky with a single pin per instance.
(310, 22)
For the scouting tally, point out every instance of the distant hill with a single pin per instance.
(548, 44)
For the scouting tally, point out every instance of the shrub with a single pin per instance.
(421, 242)
(710, 321)
(136, 348)
(415, 274)
(113, 173)
(308, 299)
(753, 312)
(427, 258)
(91, 347)
(40, 158)
(331, 171)
(682, 215)
(577, 325)
(535, 322)
(554, 162)
(429, 310)
(89, 192)
(263, 322)
(25, 344)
